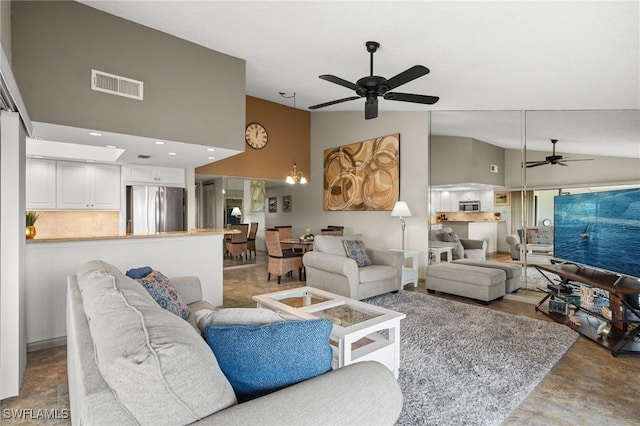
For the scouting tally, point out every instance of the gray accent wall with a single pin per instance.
(461, 160)
(191, 94)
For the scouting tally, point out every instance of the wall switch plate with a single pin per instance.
(494, 168)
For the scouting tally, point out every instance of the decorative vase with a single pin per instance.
(30, 231)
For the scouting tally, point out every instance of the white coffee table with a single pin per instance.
(356, 335)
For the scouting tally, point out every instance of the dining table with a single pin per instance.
(305, 245)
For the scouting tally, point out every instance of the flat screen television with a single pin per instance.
(599, 229)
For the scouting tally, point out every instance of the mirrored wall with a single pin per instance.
(494, 174)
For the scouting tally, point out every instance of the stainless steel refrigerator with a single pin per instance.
(152, 209)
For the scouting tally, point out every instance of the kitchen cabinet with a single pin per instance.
(86, 186)
(40, 190)
(152, 175)
(486, 201)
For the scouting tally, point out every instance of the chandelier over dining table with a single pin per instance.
(294, 175)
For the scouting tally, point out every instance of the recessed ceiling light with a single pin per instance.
(159, 143)
(95, 134)
(172, 153)
(111, 146)
(211, 149)
(212, 158)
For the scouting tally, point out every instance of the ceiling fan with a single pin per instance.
(372, 86)
(554, 159)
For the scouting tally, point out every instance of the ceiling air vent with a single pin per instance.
(116, 85)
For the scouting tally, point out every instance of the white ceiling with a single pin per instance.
(483, 56)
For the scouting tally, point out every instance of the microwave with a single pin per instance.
(469, 206)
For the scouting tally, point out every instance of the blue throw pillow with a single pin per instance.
(357, 251)
(260, 359)
(160, 288)
(137, 273)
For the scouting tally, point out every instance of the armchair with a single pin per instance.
(328, 268)
(462, 247)
(514, 246)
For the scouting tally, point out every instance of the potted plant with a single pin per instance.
(497, 215)
(31, 218)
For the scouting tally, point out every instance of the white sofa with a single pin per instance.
(132, 362)
(328, 268)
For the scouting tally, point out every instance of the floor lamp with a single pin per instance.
(401, 209)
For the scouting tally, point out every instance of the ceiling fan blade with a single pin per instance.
(409, 97)
(340, 81)
(561, 163)
(371, 109)
(535, 163)
(337, 101)
(406, 76)
(578, 159)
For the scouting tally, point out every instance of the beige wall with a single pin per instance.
(273, 161)
(191, 94)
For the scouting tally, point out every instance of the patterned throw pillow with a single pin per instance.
(259, 359)
(160, 288)
(357, 251)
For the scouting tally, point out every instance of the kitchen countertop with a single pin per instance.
(193, 232)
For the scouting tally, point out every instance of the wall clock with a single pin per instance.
(256, 136)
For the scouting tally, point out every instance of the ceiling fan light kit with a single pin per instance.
(373, 86)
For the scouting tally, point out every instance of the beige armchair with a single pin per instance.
(514, 246)
(328, 268)
(462, 247)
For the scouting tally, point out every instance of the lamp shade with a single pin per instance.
(401, 209)
(236, 212)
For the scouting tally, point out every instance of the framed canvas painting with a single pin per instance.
(273, 205)
(286, 203)
(501, 198)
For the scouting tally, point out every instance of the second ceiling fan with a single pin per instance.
(554, 159)
(372, 86)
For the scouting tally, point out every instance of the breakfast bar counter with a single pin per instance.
(49, 261)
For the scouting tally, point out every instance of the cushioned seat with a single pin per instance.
(513, 271)
(482, 284)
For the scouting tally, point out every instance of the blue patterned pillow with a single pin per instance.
(137, 273)
(260, 359)
(357, 251)
(160, 288)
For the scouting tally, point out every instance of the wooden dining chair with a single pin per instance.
(251, 239)
(286, 232)
(281, 262)
(236, 245)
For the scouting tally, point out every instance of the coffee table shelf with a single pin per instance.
(361, 332)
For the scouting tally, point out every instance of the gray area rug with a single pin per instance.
(469, 365)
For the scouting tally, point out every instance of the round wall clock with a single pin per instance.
(256, 135)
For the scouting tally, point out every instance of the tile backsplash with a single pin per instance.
(55, 224)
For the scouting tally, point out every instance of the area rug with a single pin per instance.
(462, 364)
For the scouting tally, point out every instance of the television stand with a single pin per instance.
(624, 336)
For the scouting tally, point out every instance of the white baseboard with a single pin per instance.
(46, 344)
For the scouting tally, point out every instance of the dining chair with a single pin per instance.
(281, 262)
(236, 245)
(286, 232)
(251, 239)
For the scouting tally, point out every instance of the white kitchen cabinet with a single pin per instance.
(152, 175)
(84, 186)
(40, 190)
(486, 201)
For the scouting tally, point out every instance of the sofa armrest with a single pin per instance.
(473, 244)
(330, 398)
(189, 288)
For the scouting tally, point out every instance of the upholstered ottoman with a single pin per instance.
(482, 284)
(512, 270)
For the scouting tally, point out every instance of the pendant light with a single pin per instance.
(294, 175)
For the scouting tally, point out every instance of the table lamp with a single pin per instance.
(401, 209)
(236, 212)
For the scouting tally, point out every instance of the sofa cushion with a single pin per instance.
(156, 364)
(357, 251)
(258, 360)
(376, 273)
(164, 293)
(448, 236)
(330, 244)
(471, 275)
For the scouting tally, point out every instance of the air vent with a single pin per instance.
(116, 85)
(144, 157)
